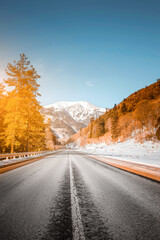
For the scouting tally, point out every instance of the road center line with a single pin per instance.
(77, 226)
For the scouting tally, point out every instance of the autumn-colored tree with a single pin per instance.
(100, 127)
(2, 113)
(91, 127)
(24, 125)
(143, 112)
(2, 98)
(50, 138)
(158, 133)
(2, 89)
(114, 124)
(158, 129)
(123, 108)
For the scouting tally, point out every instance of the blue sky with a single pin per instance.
(93, 50)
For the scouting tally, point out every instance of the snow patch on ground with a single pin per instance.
(130, 150)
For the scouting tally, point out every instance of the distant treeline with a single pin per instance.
(22, 126)
(138, 115)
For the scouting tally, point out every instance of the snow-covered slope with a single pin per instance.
(69, 117)
(147, 152)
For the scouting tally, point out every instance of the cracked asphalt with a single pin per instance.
(71, 196)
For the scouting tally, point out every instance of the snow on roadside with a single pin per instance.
(130, 150)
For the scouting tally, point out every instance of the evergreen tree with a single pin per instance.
(123, 108)
(3, 98)
(13, 122)
(158, 129)
(100, 130)
(2, 113)
(24, 125)
(158, 133)
(91, 127)
(1, 92)
(114, 123)
(50, 138)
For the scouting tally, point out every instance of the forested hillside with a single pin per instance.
(22, 127)
(136, 116)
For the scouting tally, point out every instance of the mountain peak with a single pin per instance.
(64, 104)
(69, 117)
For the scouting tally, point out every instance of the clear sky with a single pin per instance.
(92, 50)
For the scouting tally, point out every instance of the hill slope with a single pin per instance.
(136, 116)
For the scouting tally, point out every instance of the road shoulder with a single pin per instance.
(147, 171)
(22, 163)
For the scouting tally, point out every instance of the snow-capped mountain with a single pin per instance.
(69, 117)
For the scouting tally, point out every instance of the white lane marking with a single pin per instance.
(77, 226)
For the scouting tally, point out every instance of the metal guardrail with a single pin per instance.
(26, 154)
(20, 155)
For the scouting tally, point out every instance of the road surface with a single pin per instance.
(69, 195)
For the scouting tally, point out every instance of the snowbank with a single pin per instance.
(130, 150)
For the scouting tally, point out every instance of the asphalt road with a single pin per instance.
(71, 196)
